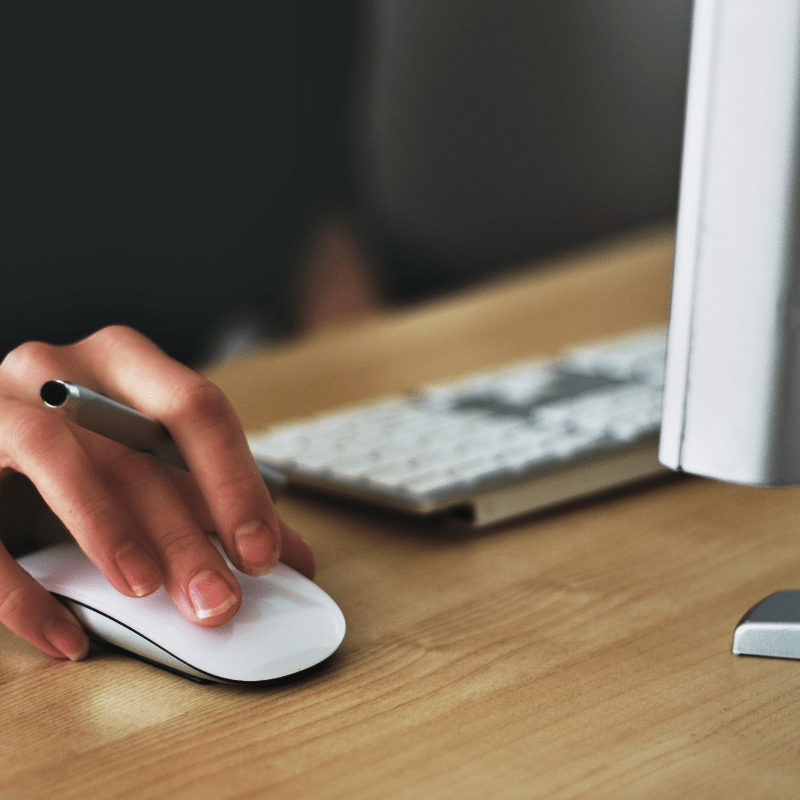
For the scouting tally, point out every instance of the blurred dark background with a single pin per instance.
(219, 176)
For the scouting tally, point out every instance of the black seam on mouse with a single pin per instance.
(213, 678)
(115, 648)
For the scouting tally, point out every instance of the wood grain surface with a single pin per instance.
(580, 653)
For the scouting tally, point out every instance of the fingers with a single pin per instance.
(140, 522)
(207, 431)
(31, 612)
(296, 551)
(43, 447)
(27, 367)
(196, 577)
(130, 521)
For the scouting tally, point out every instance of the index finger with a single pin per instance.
(207, 431)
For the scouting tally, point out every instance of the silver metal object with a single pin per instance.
(732, 387)
(732, 394)
(771, 627)
(125, 425)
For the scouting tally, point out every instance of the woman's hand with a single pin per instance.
(140, 521)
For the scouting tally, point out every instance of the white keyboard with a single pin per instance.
(493, 445)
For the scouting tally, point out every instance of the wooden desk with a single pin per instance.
(583, 653)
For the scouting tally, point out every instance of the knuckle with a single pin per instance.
(106, 340)
(234, 484)
(26, 355)
(126, 466)
(14, 604)
(111, 334)
(199, 402)
(178, 545)
(92, 515)
(136, 476)
(36, 433)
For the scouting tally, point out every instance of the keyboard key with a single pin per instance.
(460, 436)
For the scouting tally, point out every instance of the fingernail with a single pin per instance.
(140, 570)
(67, 636)
(209, 594)
(255, 543)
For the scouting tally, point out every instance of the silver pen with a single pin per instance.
(111, 419)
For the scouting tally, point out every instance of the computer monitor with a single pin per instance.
(732, 395)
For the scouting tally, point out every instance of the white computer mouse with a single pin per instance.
(286, 623)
